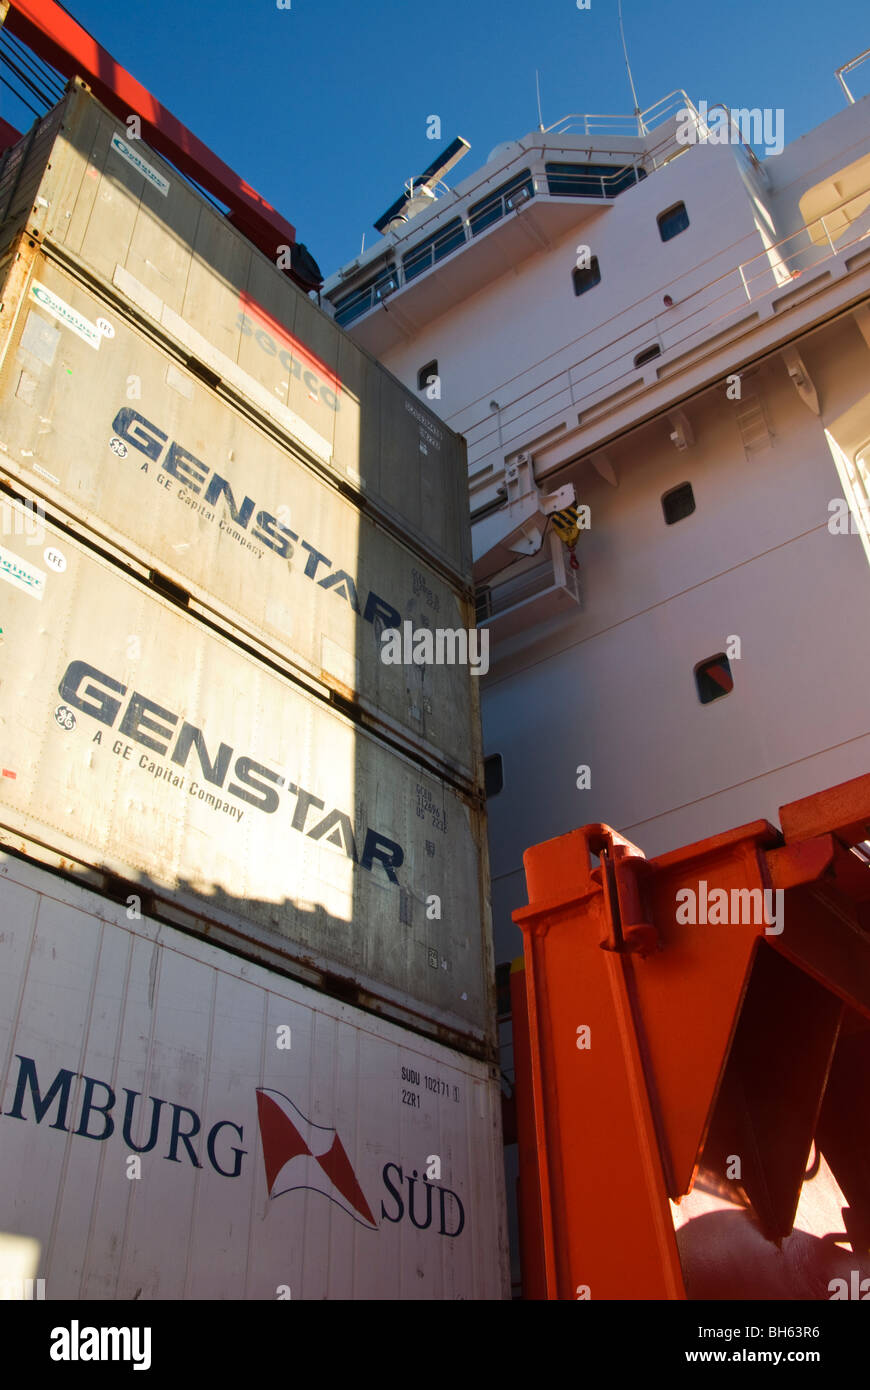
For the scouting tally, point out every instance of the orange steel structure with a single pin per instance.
(655, 1054)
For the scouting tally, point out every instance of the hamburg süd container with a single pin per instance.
(138, 741)
(80, 184)
(99, 418)
(178, 1123)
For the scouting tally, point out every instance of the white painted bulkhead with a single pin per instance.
(612, 686)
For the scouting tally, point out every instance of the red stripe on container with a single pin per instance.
(255, 310)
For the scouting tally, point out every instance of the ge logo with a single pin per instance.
(105, 328)
(65, 717)
(118, 447)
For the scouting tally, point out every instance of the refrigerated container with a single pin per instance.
(179, 1123)
(102, 418)
(80, 183)
(138, 741)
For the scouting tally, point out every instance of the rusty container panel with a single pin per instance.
(98, 418)
(114, 207)
(285, 1156)
(138, 741)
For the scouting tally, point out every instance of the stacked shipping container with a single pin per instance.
(214, 505)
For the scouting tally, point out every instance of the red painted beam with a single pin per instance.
(843, 811)
(54, 35)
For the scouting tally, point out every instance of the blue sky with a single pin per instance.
(323, 107)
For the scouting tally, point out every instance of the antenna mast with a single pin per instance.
(538, 90)
(640, 125)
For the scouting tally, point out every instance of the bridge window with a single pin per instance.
(506, 198)
(434, 248)
(591, 180)
(364, 297)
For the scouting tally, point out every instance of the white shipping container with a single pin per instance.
(97, 417)
(178, 1123)
(113, 206)
(136, 740)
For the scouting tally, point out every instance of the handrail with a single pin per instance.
(592, 123)
(603, 124)
(819, 224)
(847, 67)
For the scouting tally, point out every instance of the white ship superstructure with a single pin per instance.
(641, 317)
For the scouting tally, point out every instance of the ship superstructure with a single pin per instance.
(656, 342)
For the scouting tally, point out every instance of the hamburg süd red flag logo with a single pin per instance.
(300, 1154)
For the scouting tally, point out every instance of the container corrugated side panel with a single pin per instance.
(182, 263)
(137, 740)
(134, 446)
(145, 1012)
(409, 451)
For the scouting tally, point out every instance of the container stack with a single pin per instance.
(245, 895)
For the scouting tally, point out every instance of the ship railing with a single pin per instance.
(601, 368)
(840, 73)
(641, 123)
(675, 105)
(786, 260)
